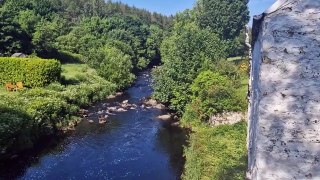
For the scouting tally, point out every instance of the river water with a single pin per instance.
(131, 145)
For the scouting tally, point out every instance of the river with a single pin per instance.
(131, 145)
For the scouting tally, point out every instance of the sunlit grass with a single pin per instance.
(70, 71)
(238, 58)
(217, 153)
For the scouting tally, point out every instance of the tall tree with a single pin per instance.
(12, 37)
(225, 17)
(185, 53)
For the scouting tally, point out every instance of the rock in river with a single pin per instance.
(165, 117)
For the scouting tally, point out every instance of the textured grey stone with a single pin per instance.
(284, 112)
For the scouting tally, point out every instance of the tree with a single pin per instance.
(27, 20)
(13, 38)
(153, 43)
(44, 37)
(187, 52)
(116, 67)
(225, 17)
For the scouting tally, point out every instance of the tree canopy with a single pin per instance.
(224, 17)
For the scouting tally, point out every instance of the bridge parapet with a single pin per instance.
(284, 110)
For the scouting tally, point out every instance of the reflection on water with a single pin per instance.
(132, 145)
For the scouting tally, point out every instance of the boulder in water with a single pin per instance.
(121, 110)
(119, 93)
(151, 102)
(111, 97)
(165, 117)
(90, 121)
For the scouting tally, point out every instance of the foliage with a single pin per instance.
(54, 28)
(45, 35)
(29, 114)
(113, 65)
(225, 17)
(212, 93)
(217, 153)
(183, 58)
(13, 38)
(32, 72)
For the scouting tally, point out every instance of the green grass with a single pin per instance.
(238, 58)
(243, 90)
(9, 94)
(217, 153)
(71, 71)
(3, 91)
(78, 73)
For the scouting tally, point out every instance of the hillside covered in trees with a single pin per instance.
(64, 29)
(81, 51)
(101, 46)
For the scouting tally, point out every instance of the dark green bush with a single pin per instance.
(14, 124)
(63, 56)
(33, 72)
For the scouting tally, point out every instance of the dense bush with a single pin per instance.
(116, 67)
(15, 123)
(217, 153)
(32, 72)
(211, 93)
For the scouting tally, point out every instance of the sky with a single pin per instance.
(171, 7)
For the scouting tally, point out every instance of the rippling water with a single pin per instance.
(132, 145)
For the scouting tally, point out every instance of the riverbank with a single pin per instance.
(132, 144)
(30, 114)
(217, 153)
(217, 144)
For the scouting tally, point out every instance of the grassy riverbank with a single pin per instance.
(217, 153)
(28, 114)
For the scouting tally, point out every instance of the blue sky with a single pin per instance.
(169, 7)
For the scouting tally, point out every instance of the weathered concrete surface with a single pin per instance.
(284, 113)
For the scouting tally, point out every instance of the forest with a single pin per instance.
(81, 51)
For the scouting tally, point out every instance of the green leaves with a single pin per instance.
(212, 93)
(12, 37)
(187, 52)
(224, 17)
(116, 67)
(28, 114)
(32, 72)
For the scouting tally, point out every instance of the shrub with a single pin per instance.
(217, 153)
(68, 57)
(116, 67)
(33, 72)
(212, 93)
(14, 124)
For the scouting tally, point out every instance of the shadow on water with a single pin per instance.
(132, 145)
(172, 140)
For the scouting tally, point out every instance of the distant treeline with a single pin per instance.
(74, 10)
